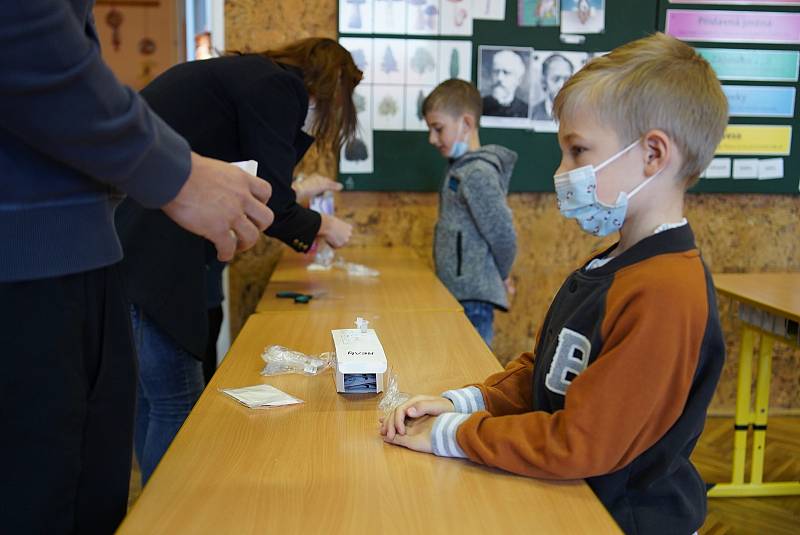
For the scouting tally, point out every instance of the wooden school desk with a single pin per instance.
(769, 307)
(405, 283)
(321, 466)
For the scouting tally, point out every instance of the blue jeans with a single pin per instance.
(481, 315)
(170, 382)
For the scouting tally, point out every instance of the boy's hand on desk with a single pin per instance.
(395, 422)
(417, 436)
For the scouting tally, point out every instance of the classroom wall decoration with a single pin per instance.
(519, 54)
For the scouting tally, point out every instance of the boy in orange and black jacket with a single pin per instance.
(631, 350)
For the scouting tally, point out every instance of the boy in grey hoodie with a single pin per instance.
(475, 242)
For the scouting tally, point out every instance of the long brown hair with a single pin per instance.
(331, 76)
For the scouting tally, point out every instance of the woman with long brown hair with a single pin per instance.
(268, 107)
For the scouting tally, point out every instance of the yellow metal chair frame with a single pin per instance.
(746, 416)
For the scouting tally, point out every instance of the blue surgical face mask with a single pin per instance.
(460, 147)
(576, 192)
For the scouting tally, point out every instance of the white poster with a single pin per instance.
(549, 71)
(456, 18)
(355, 16)
(361, 50)
(489, 9)
(388, 105)
(422, 58)
(415, 95)
(389, 16)
(422, 17)
(583, 16)
(455, 60)
(390, 61)
(504, 84)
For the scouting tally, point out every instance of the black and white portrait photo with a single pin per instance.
(549, 71)
(504, 83)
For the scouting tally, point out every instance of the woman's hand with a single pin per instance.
(335, 231)
(308, 187)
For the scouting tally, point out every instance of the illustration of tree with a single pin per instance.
(356, 150)
(359, 58)
(420, 101)
(422, 61)
(389, 62)
(359, 102)
(389, 11)
(454, 63)
(388, 106)
(355, 13)
(420, 23)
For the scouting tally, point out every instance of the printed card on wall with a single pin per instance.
(415, 95)
(455, 60)
(389, 16)
(357, 155)
(759, 101)
(753, 65)
(456, 17)
(422, 17)
(538, 12)
(734, 26)
(388, 107)
(583, 16)
(549, 71)
(756, 139)
(361, 50)
(489, 9)
(504, 84)
(355, 16)
(422, 58)
(740, 2)
(390, 61)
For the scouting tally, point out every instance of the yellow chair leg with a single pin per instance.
(762, 409)
(742, 405)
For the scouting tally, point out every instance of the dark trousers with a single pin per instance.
(210, 358)
(67, 391)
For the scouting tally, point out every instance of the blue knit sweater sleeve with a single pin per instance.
(58, 96)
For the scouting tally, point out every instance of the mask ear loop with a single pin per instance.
(616, 156)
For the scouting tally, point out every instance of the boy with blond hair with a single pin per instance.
(630, 352)
(475, 242)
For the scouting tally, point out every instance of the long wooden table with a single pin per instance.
(769, 308)
(321, 467)
(405, 283)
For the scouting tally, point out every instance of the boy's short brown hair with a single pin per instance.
(657, 82)
(454, 97)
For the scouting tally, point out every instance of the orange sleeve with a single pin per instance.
(627, 399)
(509, 391)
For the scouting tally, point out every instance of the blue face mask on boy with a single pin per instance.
(576, 192)
(460, 147)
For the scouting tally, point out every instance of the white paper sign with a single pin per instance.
(770, 168)
(745, 168)
(719, 168)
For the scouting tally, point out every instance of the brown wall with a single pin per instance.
(737, 233)
(159, 23)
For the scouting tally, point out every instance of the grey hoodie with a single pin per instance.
(475, 242)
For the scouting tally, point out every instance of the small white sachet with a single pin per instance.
(260, 396)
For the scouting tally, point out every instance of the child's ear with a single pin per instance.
(657, 151)
(469, 121)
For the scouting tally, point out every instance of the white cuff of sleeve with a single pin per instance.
(466, 400)
(443, 435)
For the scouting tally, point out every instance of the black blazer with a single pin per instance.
(231, 108)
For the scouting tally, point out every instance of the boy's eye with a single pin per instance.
(576, 150)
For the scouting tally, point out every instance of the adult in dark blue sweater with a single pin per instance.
(234, 108)
(73, 141)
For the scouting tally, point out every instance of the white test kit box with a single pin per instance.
(360, 361)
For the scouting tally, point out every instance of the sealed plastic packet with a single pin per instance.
(280, 360)
(392, 397)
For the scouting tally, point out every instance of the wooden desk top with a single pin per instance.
(321, 466)
(390, 261)
(779, 293)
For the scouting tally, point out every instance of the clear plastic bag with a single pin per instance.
(323, 260)
(355, 270)
(392, 396)
(280, 361)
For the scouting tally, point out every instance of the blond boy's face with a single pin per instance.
(444, 130)
(584, 141)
